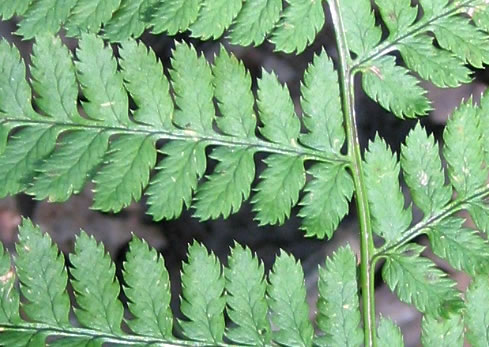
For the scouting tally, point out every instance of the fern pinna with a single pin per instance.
(51, 147)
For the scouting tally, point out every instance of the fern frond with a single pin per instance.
(241, 289)
(477, 298)
(389, 333)
(56, 151)
(292, 28)
(443, 332)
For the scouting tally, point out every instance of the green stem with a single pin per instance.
(346, 78)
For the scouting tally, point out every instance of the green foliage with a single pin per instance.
(241, 289)
(247, 22)
(115, 146)
(443, 332)
(389, 333)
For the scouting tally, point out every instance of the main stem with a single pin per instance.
(346, 80)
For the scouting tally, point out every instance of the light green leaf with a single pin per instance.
(423, 172)
(463, 248)
(338, 305)
(442, 332)
(381, 82)
(479, 212)
(96, 287)
(232, 85)
(463, 150)
(15, 93)
(279, 188)
(389, 334)
(300, 22)
(192, 83)
(359, 22)
(483, 115)
(77, 342)
(389, 218)
(433, 64)
(321, 104)
(287, 301)
(458, 35)
(148, 291)
(417, 281)
(280, 123)
(9, 295)
(255, 21)
(176, 179)
(125, 173)
(229, 185)
(23, 339)
(68, 168)
(127, 21)
(477, 313)
(89, 15)
(203, 302)
(10, 8)
(101, 83)
(24, 152)
(175, 16)
(5, 130)
(147, 84)
(432, 8)
(327, 199)
(54, 79)
(245, 293)
(398, 15)
(215, 16)
(43, 277)
(44, 16)
(480, 17)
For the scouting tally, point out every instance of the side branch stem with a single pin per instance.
(346, 79)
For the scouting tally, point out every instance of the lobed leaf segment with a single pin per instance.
(52, 152)
(290, 28)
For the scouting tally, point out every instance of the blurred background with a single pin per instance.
(63, 221)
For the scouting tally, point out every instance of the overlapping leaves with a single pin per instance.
(291, 27)
(458, 27)
(241, 289)
(55, 150)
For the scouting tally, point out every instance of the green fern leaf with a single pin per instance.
(215, 16)
(443, 332)
(477, 300)
(117, 183)
(433, 64)
(23, 339)
(77, 342)
(89, 15)
(9, 296)
(463, 150)
(359, 23)
(422, 168)
(10, 8)
(459, 36)
(339, 314)
(322, 106)
(389, 334)
(479, 212)
(5, 130)
(230, 184)
(287, 301)
(232, 85)
(398, 16)
(44, 16)
(327, 199)
(255, 21)
(280, 124)
(96, 287)
(432, 8)
(43, 277)
(279, 188)
(463, 248)
(381, 83)
(148, 291)
(300, 23)
(175, 16)
(176, 179)
(247, 307)
(203, 302)
(69, 167)
(417, 281)
(127, 21)
(101, 83)
(389, 218)
(480, 17)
